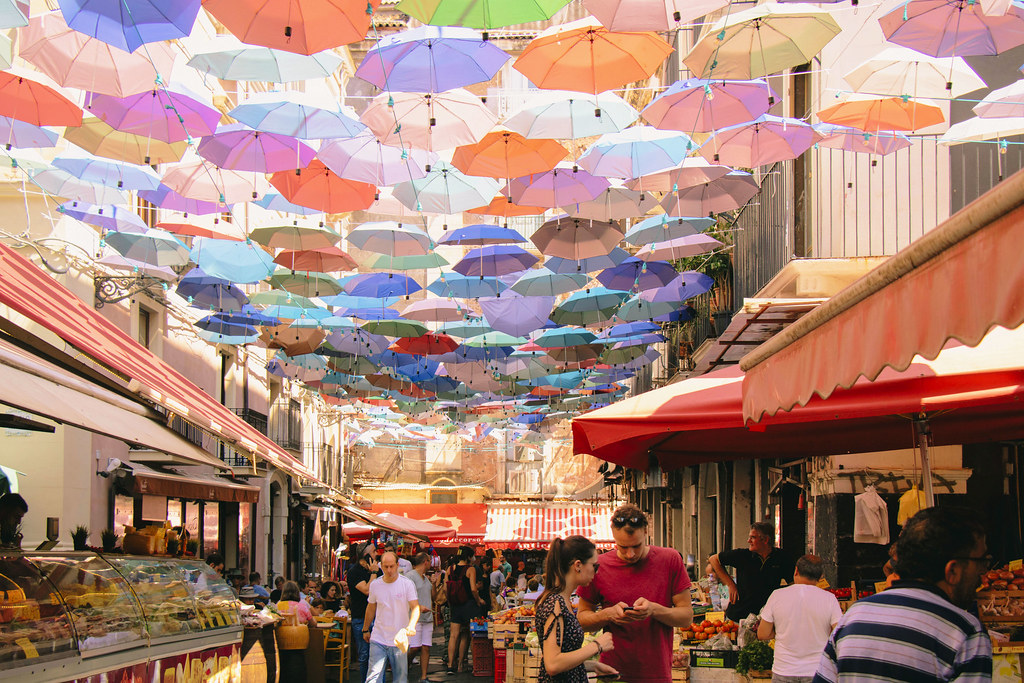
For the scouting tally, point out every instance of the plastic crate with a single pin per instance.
(499, 666)
(483, 657)
(714, 659)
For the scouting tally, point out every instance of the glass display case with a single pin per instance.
(56, 605)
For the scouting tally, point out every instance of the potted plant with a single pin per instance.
(80, 537)
(109, 540)
(756, 658)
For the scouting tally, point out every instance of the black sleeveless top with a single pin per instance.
(568, 635)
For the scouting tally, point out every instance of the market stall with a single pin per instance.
(81, 616)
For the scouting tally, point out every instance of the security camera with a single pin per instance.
(112, 465)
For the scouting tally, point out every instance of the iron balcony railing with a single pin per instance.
(285, 424)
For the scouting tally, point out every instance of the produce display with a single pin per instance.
(510, 616)
(1003, 580)
(1001, 595)
(705, 629)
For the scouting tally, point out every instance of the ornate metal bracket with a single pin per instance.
(110, 289)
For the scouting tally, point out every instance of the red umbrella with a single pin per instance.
(317, 187)
(192, 230)
(501, 206)
(324, 260)
(425, 345)
(28, 100)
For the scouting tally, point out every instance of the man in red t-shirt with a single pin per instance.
(643, 592)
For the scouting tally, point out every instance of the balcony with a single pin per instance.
(324, 460)
(285, 424)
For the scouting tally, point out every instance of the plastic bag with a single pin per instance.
(748, 630)
(720, 641)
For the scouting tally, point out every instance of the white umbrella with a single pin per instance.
(428, 121)
(650, 15)
(681, 247)
(390, 238)
(979, 129)
(1004, 102)
(902, 71)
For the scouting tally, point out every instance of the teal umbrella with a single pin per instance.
(543, 282)
(565, 336)
(494, 338)
(635, 309)
(588, 306)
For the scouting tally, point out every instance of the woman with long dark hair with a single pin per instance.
(570, 563)
(463, 598)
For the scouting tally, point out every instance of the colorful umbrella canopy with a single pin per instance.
(615, 203)
(206, 182)
(272, 201)
(505, 154)
(480, 13)
(239, 262)
(584, 56)
(635, 152)
(494, 338)
(682, 287)
(62, 184)
(634, 274)
(129, 24)
(1003, 102)
(890, 113)
(901, 71)
(297, 236)
(586, 265)
(479, 235)
(495, 260)
(664, 227)
(501, 206)
(680, 247)
(428, 121)
(650, 15)
(445, 190)
(560, 337)
(166, 198)
(92, 169)
(431, 59)
(593, 305)
(156, 247)
(364, 158)
(978, 128)
(228, 59)
(300, 26)
(433, 310)
(515, 314)
(169, 114)
(952, 28)
(425, 345)
(569, 115)
(205, 291)
(13, 13)
(693, 171)
(541, 282)
(380, 285)
(558, 187)
(701, 106)
(115, 218)
(761, 40)
(854, 140)
(318, 188)
(637, 308)
(576, 238)
(15, 133)
(209, 228)
(297, 114)
(240, 148)
(396, 327)
(413, 262)
(75, 60)
(729, 192)
(764, 140)
(459, 286)
(390, 238)
(34, 102)
(305, 284)
(99, 138)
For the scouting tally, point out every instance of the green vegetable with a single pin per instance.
(755, 656)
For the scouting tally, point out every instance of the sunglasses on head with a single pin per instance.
(631, 520)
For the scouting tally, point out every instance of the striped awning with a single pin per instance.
(519, 525)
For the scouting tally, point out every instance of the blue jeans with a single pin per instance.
(387, 654)
(362, 649)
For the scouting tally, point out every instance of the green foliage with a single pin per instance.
(80, 531)
(755, 656)
(718, 266)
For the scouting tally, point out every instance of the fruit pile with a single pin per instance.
(706, 629)
(510, 616)
(847, 593)
(1003, 580)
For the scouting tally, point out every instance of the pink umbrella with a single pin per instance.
(76, 60)
(953, 28)
(681, 247)
(855, 140)
(240, 148)
(701, 106)
(729, 192)
(434, 310)
(693, 171)
(155, 113)
(576, 238)
(206, 182)
(558, 187)
(765, 140)
(366, 159)
(650, 15)
(429, 121)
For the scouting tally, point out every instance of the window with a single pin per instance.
(147, 211)
(447, 497)
(145, 325)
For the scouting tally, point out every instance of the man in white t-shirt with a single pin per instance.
(800, 617)
(393, 609)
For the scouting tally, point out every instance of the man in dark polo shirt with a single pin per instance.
(760, 569)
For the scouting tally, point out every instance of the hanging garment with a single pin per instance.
(871, 518)
(911, 503)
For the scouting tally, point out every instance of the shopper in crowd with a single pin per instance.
(359, 578)
(426, 592)
(332, 597)
(496, 581)
(394, 611)
(760, 569)
(571, 564)
(464, 599)
(291, 602)
(12, 509)
(506, 567)
(644, 593)
(484, 567)
(521, 577)
(216, 562)
(918, 630)
(404, 565)
(256, 587)
(800, 618)
(275, 595)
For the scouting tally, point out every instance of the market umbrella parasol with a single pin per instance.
(446, 190)
(480, 13)
(541, 282)
(506, 154)
(297, 235)
(569, 115)
(170, 113)
(318, 188)
(481, 234)
(558, 187)
(228, 59)
(129, 24)
(239, 262)
(764, 140)
(390, 238)
(900, 71)
(635, 152)
(297, 114)
(701, 105)
(516, 314)
(890, 113)
(365, 158)
(206, 182)
(615, 203)
(576, 238)
(15, 133)
(97, 137)
(679, 247)
(664, 227)
(320, 260)
(428, 121)
(854, 140)
(495, 260)
(238, 147)
(729, 192)
(205, 291)
(25, 97)
(434, 310)
(953, 28)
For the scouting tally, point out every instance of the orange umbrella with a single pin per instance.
(301, 26)
(504, 154)
(317, 187)
(324, 260)
(501, 206)
(28, 100)
(584, 56)
(890, 113)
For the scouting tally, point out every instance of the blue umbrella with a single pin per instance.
(678, 316)
(638, 340)
(205, 291)
(298, 115)
(635, 308)
(217, 330)
(380, 285)
(587, 265)
(543, 282)
(494, 260)
(516, 314)
(664, 227)
(275, 202)
(128, 24)
(680, 288)
(560, 337)
(624, 330)
(634, 274)
(109, 217)
(431, 59)
(108, 173)
(24, 135)
(438, 384)
(560, 380)
(460, 286)
(481, 234)
(636, 151)
(249, 316)
(349, 301)
(377, 313)
(528, 418)
(297, 312)
(465, 354)
(240, 262)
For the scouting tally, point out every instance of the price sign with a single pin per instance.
(823, 583)
(880, 586)
(714, 616)
(1015, 565)
(27, 647)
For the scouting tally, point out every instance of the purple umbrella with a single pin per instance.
(634, 274)
(480, 235)
(166, 198)
(364, 158)
(515, 314)
(431, 59)
(380, 285)
(128, 24)
(169, 114)
(564, 266)
(698, 105)
(684, 286)
(495, 259)
(855, 140)
(680, 247)
(729, 192)
(358, 342)
(238, 147)
(953, 28)
(558, 187)
(764, 140)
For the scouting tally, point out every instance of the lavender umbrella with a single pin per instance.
(764, 140)
(682, 287)
(166, 198)
(662, 228)
(558, 187)
(169, 114)
(515, 314)
(494, 260)
(698, 105)
(205, 291)
(15, 133)
(128, 24)
(364, 158)
(481, 234)
(680, 247)
(953, 28)
(241, 148)
(855, 140)
(110, 217)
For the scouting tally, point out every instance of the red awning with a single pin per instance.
(466, 520)
(956, 282)
(31, 292)
(516, 525)
(399, 524)
(192, 487)
(969, 395)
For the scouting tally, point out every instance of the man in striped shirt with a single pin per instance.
(918, 629)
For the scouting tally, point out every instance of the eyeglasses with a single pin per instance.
(986, 561)
(631, 520)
